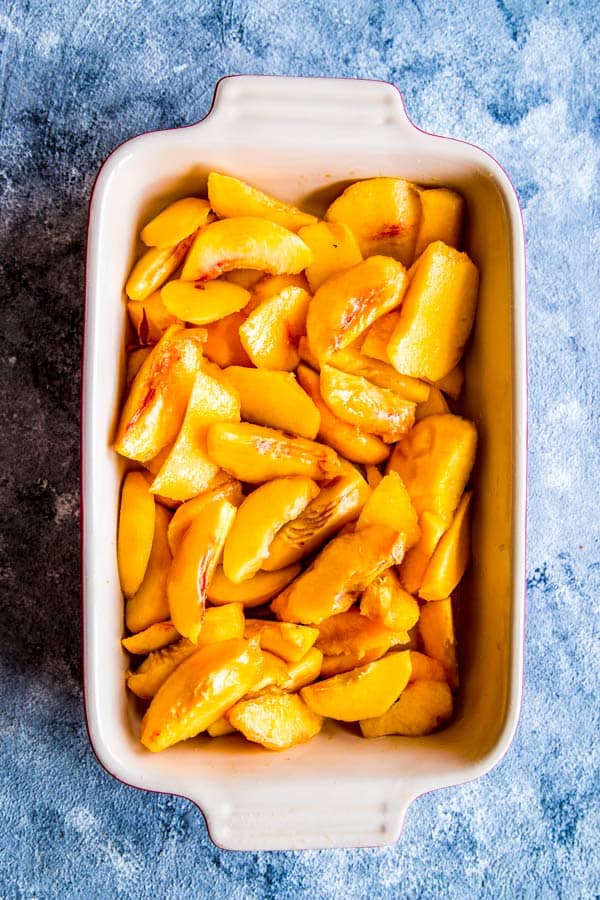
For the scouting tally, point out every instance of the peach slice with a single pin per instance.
(437, 314)
(255, 454)
(353, 633)
(156, 402)
(384, 214)
(246, 242)
(223, 345)
(153, 268)
(336, 504)
(380, 374)
(274, 674)
(451, 556)
(304, 671)
(188, 469)
(246, 278)
(386, 602)
(202, 302)
(149, 603)
(425, 668)
(155, 637)
(290, 642)
(136, 531)
(436, 627)
(374, 476)
(350, 441)
(222, 487)
(176, 222)
(199, 692)
(276, 721)
(362, 693)
(271, 332)
(345, 662)
(270, 285)
(254, 592)
(259, 518)
(339, 573)
(434, 461)
(422, 708)
(390, 505)
(306, 354)
(135, 361)
(220, 728)
(414, 565)
(194, 564)
(335, 248)
(274, 399)
(231, 197)
(452, 383)
(434, 405)
(373, 409)
(377, 337)
(442, 213)
(348, 302)
(150, 318)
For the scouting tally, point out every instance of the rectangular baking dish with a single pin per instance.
(303, 140)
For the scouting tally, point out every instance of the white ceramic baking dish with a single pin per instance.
(302, 139)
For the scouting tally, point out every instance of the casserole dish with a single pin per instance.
(303, 140)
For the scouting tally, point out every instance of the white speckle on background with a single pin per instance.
(66, 506)
(47, 42)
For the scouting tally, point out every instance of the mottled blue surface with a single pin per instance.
(520, 79)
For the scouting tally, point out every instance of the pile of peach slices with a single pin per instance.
(297, 522)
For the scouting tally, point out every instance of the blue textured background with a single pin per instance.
(518, 79)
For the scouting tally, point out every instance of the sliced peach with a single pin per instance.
(276, 721)
(353, 633)
(193, 566)
(290, 642)
(425, 668)
(441, 218)
(381, 374)
(254, 592)
(220, 728)
(223, 345)
(155, 464)
(345, 662)
(348, 302)
(349, 440)
(259, 518)
(374, 476)
(199, 691)
(434, 461)
(339, 573)
(271, 285)
(156, 636)
(377, 336)
(153, 268)
(245, 242)
(202, 302)
(188, 468)
(451, 556)
(434, 405)
(156, 402)
(255, 454)
(437, 314)
(149, 603)
(274, 674)
(414, 565)
(390, 504)
(223, 487)
(271, 332)
(452, 383)
(150, 318)
(423, 706)
(304, 671)
(176, 222)
(436, 627)
(373, 409)
(231, 197)
(246, 278)
(336, 504)
(387, 603)
(335, 248)
(361, 693)
(136, 531)
(135, 361)
(306, 354)
(274, 399)
(384, 214)
(220, 624)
